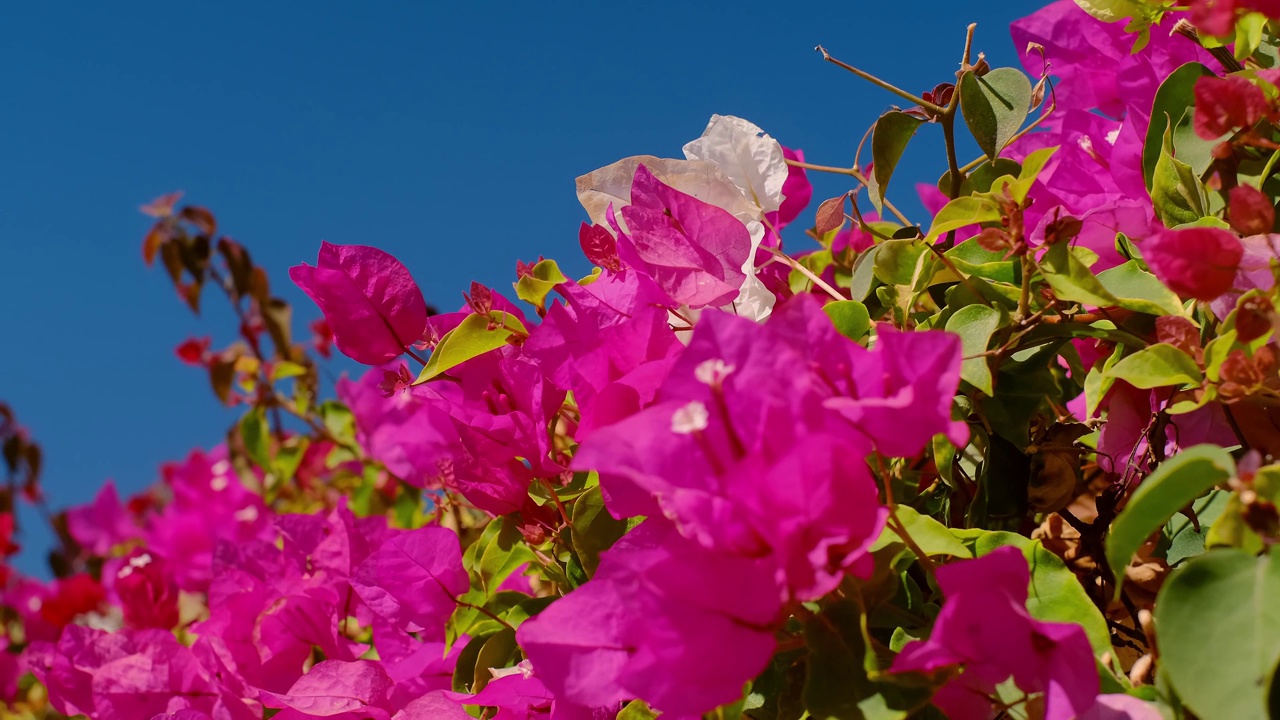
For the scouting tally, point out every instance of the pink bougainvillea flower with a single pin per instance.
(693, 250)
(370, 301)
(599, 246)
(148, 594)
(432, 706)
(101, 524)
(985, 628)
(1197, 263)
(1253, 273)
(664, 619)
(905, 387)
(742, 416)
(797, 191)
(1094, 62)
(413, 579)
(130, 674)
(357, 689)
(1226, 104)
(610, 345)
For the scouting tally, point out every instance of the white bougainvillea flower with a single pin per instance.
(747, 155)
(612, 184)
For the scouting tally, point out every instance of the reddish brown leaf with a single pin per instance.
(152, 242)
(238, 263)
(1180, 333)
(222, 372)
(201, 218)
(994, 239)
(830, 215)
(1253, 318)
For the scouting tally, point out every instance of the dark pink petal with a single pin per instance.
(1196, 263)
(374, 308)
(695, 251)
(1227, 104)
(414, 578)
(334, 687)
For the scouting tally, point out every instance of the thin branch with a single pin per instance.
(880, 83)
(799, 267)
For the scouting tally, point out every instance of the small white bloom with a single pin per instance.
(713, 371)
(218, 483)
(220, 468)
(690, 419)
(141, 561)
(246, 514)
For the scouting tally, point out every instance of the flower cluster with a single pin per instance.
(905, 468)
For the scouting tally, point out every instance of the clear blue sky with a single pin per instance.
(446, 134)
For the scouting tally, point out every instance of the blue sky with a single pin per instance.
(447, 134)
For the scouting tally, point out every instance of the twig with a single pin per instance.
(880, 83)
(799, 267)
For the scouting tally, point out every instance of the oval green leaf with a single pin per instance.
(995, 106)
(1175, 483)
(1219, 627)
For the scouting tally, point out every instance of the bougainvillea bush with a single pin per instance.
(1018, 460)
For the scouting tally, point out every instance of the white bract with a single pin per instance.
(735, 166)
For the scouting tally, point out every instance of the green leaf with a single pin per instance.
(1160, 365)
(971, 258)
(256, 434)
(496, 652)
(464, 670)
(1138, 290)
(637, 710)
(1180, 540)
(896, 261)
(837, 683)
(893, 131)
(1249, 31)
(962, 212)
(863, 278)
(500, 556)
(975, 324)
(1177, 194)
(1055, 595)
(1019, 187)
(594, 529)
(1169, 488)
(1115, 10)
(1176, 101)
(850, 318)
(931, 536)
(1071, 280)
(285, 369)
(980, 180)
(535, 287)
(1218, 621)
(995, 106)
(472, 338)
